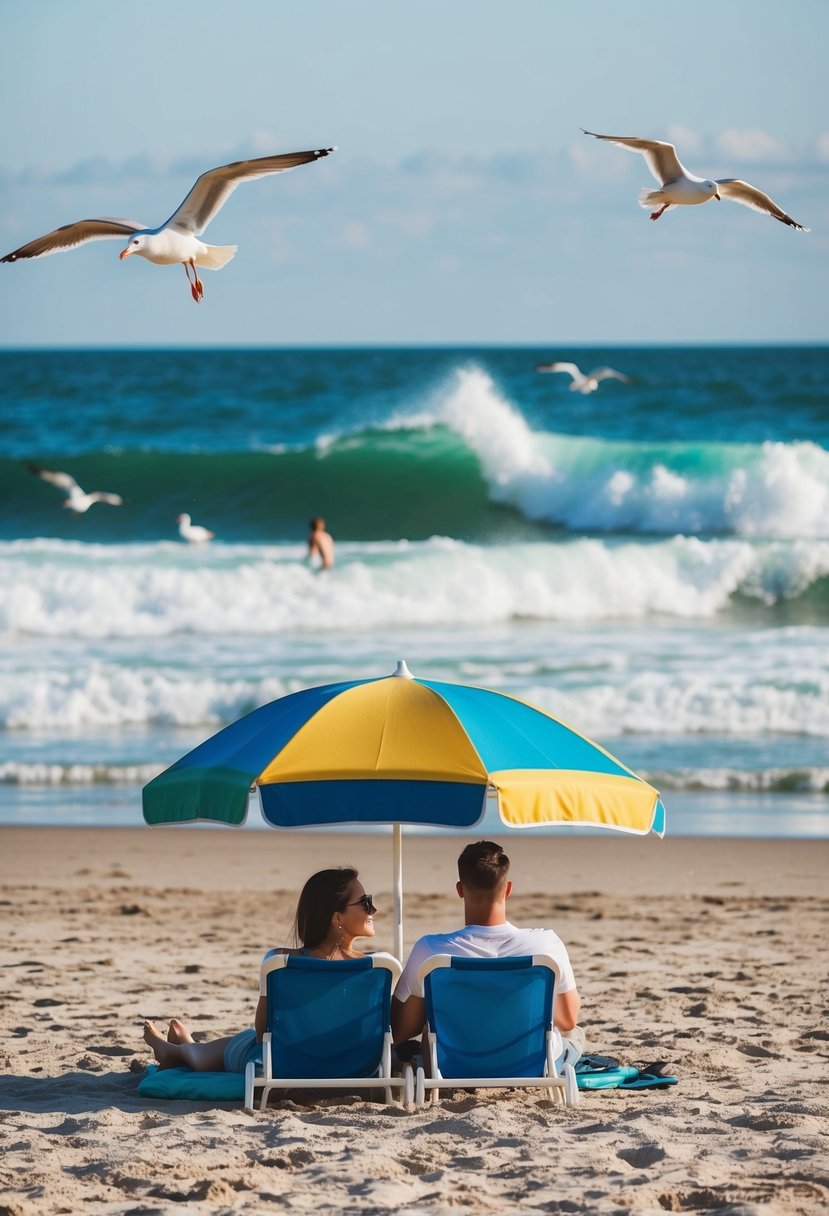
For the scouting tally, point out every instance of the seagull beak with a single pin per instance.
(716, 196)
(125, 253)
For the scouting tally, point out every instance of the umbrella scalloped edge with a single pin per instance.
(534, 798)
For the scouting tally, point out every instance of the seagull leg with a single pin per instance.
(196, 285)
(656, 214)
(193, 291)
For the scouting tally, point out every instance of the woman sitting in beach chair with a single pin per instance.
(333, 911)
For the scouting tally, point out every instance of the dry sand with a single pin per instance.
(708, 954)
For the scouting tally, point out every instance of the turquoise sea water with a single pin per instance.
(649, 562)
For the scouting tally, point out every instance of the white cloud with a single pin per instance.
(447, 265)
(670, 259)
(751, 147)
(541, 173)
(417, 224)
(687, 142)
(602, 162)
(265, 143)
(355, 235)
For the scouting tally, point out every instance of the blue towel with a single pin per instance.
(186, 1085)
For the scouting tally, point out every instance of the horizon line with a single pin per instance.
(708, 344)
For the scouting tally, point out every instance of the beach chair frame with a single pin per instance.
(561, 1084)
(333, 976)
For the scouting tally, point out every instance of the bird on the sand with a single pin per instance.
(679, 188)
(77, 500)
(176, 240)
(584, 382)
(194, 534)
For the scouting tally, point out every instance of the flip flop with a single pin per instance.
(603, 1072)
(591, 1064)
(650, 1076)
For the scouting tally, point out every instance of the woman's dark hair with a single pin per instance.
(323, 894)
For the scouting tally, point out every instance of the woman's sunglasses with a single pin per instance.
(365, 901)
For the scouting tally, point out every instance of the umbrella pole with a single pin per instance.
(397, 842)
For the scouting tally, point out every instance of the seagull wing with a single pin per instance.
(213, 188)
(62, 480)
(608, 373)
(661, 158)
(71, 235)
(569, 368)
(114, 500)
(750, 196)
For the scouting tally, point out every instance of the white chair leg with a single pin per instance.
(408, 1087)
(250, 1072)
(571, 1088)
(420, 1089)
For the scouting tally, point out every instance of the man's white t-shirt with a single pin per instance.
(487, 941)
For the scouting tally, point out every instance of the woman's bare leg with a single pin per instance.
(201, 1057)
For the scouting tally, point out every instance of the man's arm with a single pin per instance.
(261, 1019)
(566, 1007)
(407, 1018)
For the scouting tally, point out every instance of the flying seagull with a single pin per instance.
(175, 241)
(194, 534)
(584, 382)
(77, 500)
(678, 187)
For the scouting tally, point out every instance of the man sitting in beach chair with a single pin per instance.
(484, 886)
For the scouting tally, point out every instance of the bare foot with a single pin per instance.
(178, 1032)
(166, 1053)
(151, 1032)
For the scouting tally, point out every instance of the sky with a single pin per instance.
(463, 205)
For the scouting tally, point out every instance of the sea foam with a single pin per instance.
(805, 780)
(593, 484)
(146, 591)
(776, 688)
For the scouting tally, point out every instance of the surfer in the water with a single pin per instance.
(321, 543)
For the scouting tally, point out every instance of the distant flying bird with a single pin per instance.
(176, 240)
(584, 382)
(77, 500)
(194, 534)
(679, 187)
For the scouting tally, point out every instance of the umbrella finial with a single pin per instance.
(402, 670)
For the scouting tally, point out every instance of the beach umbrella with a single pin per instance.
(400, 750)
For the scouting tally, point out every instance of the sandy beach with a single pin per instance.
(708, 954)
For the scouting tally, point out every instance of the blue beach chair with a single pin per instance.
(329, 1027)
(489, 1024)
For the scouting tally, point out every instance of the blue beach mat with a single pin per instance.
(183, 1084)
(603, 1072)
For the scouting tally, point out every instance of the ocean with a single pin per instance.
(649, 562)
